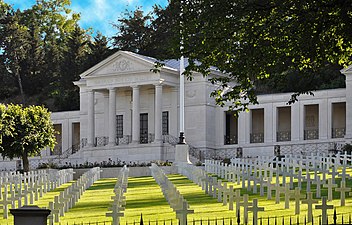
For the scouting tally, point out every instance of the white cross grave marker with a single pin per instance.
(342, 189)
(324, 207)
(255, 209)
(310, 201)
(330, 185)
(183, 212)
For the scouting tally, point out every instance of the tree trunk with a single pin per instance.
(20, 86)
(25, 162)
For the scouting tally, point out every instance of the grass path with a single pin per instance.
(93, 204)
(145, 196)
(204, 206)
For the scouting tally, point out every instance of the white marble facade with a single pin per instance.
(130, 113)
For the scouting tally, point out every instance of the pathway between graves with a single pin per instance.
(204, 206)
(144, 196)
(93, 204)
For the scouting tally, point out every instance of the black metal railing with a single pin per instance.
(311, 134)
(146, 138)
(333, 218)
(230, 139)
(101, 141)
(172, 140)
(338, 132)
(125, 139)
(257, 137)
(283, 136)
(84, 142)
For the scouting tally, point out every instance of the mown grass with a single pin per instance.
(42, 202)
(278, 210)
(93, 204)
(144, 196)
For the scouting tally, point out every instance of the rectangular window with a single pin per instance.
(144, 128)
(311, 122)
(58, 135)
(231, 128)
(165, 123)
(119, 126)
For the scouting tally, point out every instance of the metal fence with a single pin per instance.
(333, 219)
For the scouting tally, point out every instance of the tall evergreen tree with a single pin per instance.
(98, 50)
(133, 32)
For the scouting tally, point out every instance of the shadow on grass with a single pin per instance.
(106, 184)
(141, 203)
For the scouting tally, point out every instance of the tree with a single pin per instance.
(30, 131)
(152, 34)
(134, 31)
(66, 95)
(98, 50)
(254, 40)
(3, 128)
(32, 43)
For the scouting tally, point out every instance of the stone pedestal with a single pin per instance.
(29, 215)
(182, 154)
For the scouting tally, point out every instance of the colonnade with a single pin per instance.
(135, 115)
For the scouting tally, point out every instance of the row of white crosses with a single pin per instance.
(261, 171)
(119, 202)
(172, 195)
(70, 195)
(26, 188)
(246, 170)
(218, 189)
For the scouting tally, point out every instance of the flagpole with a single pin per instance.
(182, 86)
(182, 102)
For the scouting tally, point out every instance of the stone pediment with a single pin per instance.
(118, 63)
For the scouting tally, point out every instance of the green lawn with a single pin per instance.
(144, 197)
(42, 202)
(93, 204)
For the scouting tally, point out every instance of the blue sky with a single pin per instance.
(98, 14)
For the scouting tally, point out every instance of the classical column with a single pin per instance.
(158, 113)
(135, 115)
(268, 123)
(323, 119)
(174, 113)
(243, 128)
(348, 73)
(296, 124)
(112, 116)
(91, 119)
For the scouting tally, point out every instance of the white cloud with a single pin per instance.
(98, 14)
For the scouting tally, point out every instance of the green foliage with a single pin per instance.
(347, 148)
(29, 130)
(152, 34)
(133, 31)
(257, 40)
(43, 50)
(327, 77)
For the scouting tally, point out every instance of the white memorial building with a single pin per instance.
(130, 113)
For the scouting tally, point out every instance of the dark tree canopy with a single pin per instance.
(256, 40)
(262, 46)
(43, 50)
(151, 34)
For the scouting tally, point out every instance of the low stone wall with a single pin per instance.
(113, 172)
